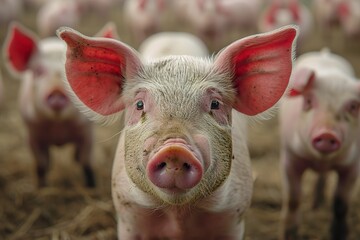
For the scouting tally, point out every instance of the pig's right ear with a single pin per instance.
(96, 70)
(301, 80)
(20, 46)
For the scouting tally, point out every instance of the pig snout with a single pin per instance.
(175, 166)
(326, 142)
(57, 100)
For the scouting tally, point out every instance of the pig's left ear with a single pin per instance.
(260, 68)
(96, 70)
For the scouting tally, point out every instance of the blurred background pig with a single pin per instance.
(56, 13)
(46, 109)
(143, 17)
(319, 124)
(283, 12)
(182, 157)
(173, 43)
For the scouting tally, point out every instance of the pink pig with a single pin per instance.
(349, 15)
(182, 167)
(283, 12)
(56, 13)
(50, 116)
(319, 123)
(143, 17)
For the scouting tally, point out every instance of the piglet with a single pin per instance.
(349, 16)
(182, 167)
(319, 124)
(56, 13)
(173, 43)
(143, 17)
(283, 12)
(47, 111)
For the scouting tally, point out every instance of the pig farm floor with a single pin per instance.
(65, 209)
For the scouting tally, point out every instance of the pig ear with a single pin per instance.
(108, 31)
(20, 46)
(96, 69)
(301, 80)
(260, 67)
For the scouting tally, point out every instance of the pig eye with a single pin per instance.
(353, 108)
(308, 103)
(140, 105)
(215, 104)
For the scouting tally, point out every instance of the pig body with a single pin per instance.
(173, 43)
(319, 123)
(56, 13)
(349, 15)
(143, 17)
(182, 168)
(48, 113)
(283, 12)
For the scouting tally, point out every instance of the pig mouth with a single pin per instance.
(175, 168)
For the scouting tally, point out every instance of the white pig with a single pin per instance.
(48, 113)
(319, 124)
(208, 22)
(173, 43)
(56, 13)
(182, 167)
(143, 17)
(349, 15)
(283, 12)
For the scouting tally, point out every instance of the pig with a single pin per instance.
(319, 129)
(207, 21)
(283, 12)
(56, 13)
(349, 16)
(10, 10)
(50, 117)
(182, 167)
(143, 17)
(173, 43)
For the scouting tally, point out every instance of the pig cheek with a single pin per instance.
(220, 155)
(135, 136)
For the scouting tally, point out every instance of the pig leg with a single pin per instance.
(42, 158)
(83, 155)
(292, 174)
(319, 191)
(346, 181)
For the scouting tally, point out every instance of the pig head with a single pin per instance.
(47, 111)
(182, 157)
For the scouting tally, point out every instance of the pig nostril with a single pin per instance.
(161, 166)
(186, 166)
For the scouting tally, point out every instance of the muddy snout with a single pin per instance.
(57, 100)
(175, 167)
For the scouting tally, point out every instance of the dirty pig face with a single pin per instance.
(182, 131)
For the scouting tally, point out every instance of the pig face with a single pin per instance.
(177, 139)
(330, 111)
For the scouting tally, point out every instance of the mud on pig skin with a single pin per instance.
(319, 123)
(48, 113)
(182, 167)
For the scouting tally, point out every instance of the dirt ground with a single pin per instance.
(67, 210)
